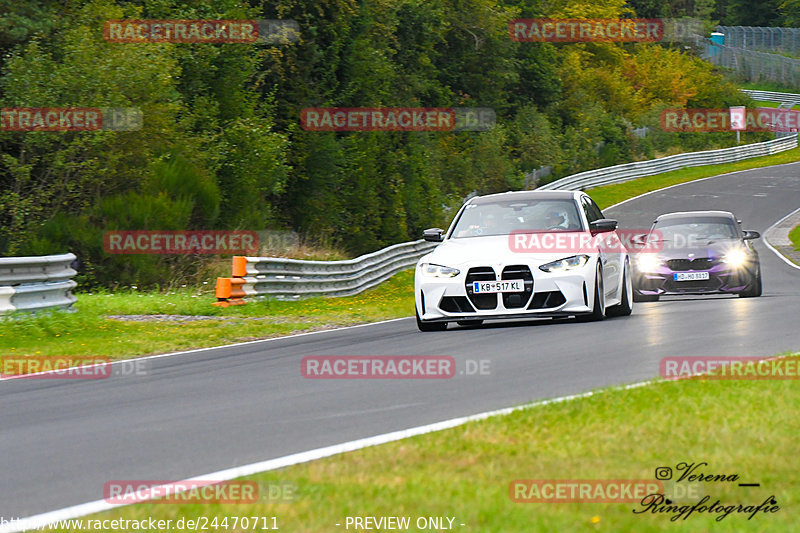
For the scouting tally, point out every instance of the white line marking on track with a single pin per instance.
(768, 245)
(170, 354)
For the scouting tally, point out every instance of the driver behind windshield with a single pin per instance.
(556, 220)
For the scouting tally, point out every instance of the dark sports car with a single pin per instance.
(697, 252)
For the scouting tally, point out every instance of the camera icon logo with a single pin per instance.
(663, 473)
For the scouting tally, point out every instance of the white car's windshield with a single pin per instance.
(503, 218)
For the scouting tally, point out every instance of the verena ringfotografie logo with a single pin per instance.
(201, 31)
(181, 242)
(633, 240)
(378, 367)
(734, 368)
(70, 119)
(707, 120)
(68, 367)
(582, 490)
(397, 119)
(586, 30)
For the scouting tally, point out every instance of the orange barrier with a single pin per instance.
(229, 291)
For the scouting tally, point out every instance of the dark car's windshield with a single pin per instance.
(695, 231)
(503, 218)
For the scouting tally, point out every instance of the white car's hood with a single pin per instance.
(488, 251)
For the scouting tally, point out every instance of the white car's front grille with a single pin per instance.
(517, 300)
(481, 301)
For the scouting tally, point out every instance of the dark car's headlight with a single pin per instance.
(735, 257)
(438, 271)
(568, 263)
(648, 262)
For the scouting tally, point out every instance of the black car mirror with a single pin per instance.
(602, 225)
(749, 235)
(433, 234)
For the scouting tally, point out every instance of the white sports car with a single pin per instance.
(524, 254)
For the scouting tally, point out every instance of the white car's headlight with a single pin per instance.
(438, 271)
(735, 258)
(648, 262)
(568, 263)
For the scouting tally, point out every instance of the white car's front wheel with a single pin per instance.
(430, 326)
(599, 304)
(624, 307)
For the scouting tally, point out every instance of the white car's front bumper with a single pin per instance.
(551, 294)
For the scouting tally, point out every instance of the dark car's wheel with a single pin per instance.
(430, 326)
(624, 307)
(470, 322)
(599, 306)
(754, 289)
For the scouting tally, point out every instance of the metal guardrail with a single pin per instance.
(770, 96)
(629, 171)
(36, 283)
(290, 279)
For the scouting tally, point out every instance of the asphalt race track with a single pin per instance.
(208, 410)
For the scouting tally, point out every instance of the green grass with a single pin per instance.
(761, 103)
(613, 194)
(89, 331)
(747, 428)
(768, 86)
(794, 237)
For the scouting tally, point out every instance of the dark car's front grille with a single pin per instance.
(515, 300)
(712, 284)
(649, 284)
(481, 301)
(456, 304)
(547, 299)
(699, 263)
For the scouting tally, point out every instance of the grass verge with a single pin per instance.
(91, 332)
(746, 428)
(794, 237)
(767, 86)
